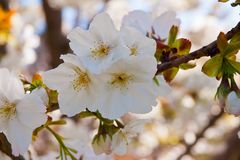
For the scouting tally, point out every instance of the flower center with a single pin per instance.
(101, 50)
(133, 50)
(7, 109)
(121, 80)
(81, 80)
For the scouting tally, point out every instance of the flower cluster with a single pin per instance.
(20, 113)
(110, 71)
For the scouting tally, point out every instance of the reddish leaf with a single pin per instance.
(222, 42)
(182, 45)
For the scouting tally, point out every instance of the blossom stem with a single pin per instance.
(63, 148)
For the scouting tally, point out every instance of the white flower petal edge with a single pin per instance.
(20, 114)
(78, 88)
(129, 87)
(233, 104)
(102, 145)
(123, 137)
(143, 22)
(139, 20)
(137, 43)
(99, 46)
(164, 22)
(31, 109)
(10, 85)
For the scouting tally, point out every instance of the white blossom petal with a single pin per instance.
(10, 85)
(19, 136)
(164, 22)
(81, 41)
(31, 111)
(138, 43)
(103, 28)
(233, 104)
(60, 77)
(119, 143)
(139, 20)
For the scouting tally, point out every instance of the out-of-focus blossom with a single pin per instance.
(20, 48)
(233, 104)
(78, 137)
(20, 113)
(86, 8)
(205, 88)
(124, 137)
(102, 144)
(144, 22)
(5, 24)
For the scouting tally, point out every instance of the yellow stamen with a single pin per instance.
(121, 80)
(101, 50)
(81, 80)
(133, 50)
(7, 109)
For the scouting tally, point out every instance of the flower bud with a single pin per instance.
(102, 144)
(233, 104)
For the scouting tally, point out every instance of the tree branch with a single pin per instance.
(56, 41)
(5, 147)
(231, 151)
(209, 50)
(199, 135)
(4, 4)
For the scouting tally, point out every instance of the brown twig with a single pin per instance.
(56, 41)
(231, 151)
(5, 147)
(4, 4)
(209, 50)
(200, 135)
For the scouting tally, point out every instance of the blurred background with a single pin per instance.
(187, 123)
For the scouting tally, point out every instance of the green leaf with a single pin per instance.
(107, 121)
(222, 42)
(227, 68)
(219, 75)
(85, 114)
(182, 45)
(232, 48)
(235, 38)
(73, 150)
(223, 1)
(170, 74)
(222, 91)
(156, 80)
(58, 122)
(213, 66)
(235, 65)
(186, 66)
(172, 35)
